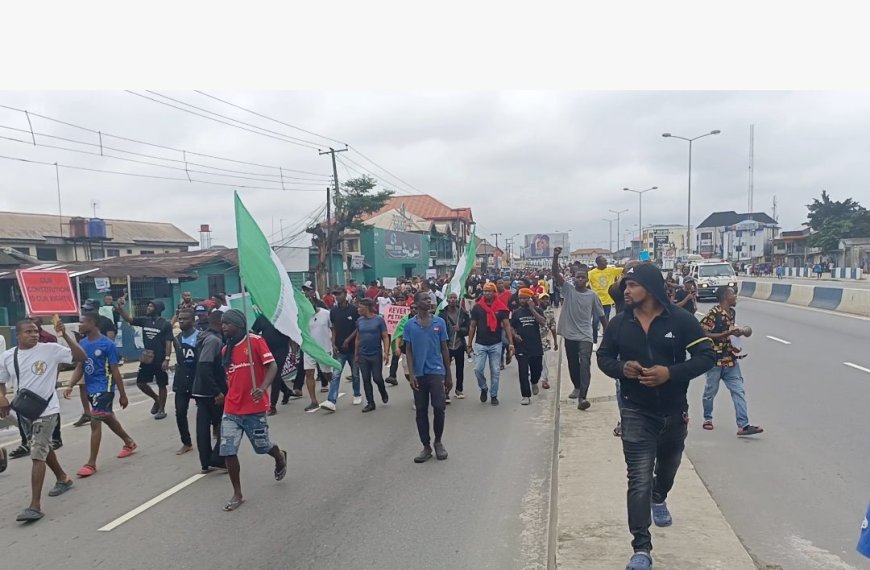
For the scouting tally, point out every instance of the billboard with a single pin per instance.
(403, 245)
(541, 245)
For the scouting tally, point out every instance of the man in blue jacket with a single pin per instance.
(644, 348)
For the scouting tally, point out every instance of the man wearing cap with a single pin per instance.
(644, 348)
(581, 306)
(200, 310)
(489, 319)
(250, 370)
(311, 293)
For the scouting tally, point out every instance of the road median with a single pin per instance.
(592, 528)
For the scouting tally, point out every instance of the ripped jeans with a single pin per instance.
(252, 425)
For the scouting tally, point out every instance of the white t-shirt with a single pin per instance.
(383, 302)
(321, 329)
(38, 366)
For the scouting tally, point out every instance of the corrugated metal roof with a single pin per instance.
(427, 207)
(23, 226)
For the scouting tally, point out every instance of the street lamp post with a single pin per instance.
(610, 223)
(689, 205)
(618, 213)
(640, 194)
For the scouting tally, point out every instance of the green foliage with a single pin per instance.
(835, 220)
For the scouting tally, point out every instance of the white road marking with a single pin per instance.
(147, 505)
(778, 339)
(816, 557)
(856, 367)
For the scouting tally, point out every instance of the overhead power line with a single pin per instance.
(29, 114)
(270, 118)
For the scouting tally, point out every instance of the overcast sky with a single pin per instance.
(524, 161)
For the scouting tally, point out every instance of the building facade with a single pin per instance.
(737, 237)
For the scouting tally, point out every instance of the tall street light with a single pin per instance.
(610, 222)
(640, 194)
(689, 207)
(618, 213)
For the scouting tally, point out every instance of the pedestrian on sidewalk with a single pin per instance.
(34, 366)
(526, 324)
(580, 307)
(102, 377)
(489, 319)
(208, 390)
(250, 370)
(343, 317)
(548, 329)
(185, 371)
(458, 321)
(428, 361)
(372, 351)
(645, 349)
(720, 327)
(154, 360)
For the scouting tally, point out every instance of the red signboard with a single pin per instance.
(47, 292)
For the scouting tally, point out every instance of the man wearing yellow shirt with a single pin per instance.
(600, 280)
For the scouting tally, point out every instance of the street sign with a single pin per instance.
(47, 292)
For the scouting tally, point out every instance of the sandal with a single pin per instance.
(708, 425)
(86, 471)
(280, 473)
(617, 431)
(29, 515)
(127, 451)
(233, 504)
(545, 385)
(60, 488)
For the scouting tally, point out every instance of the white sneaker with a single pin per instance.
(328, 406)
(524, 401)
(357, 400)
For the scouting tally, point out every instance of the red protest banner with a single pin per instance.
(47, 292)
(392, 315)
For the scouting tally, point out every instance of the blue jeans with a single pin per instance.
(734, 382)
(343, 357)
(252, 425)
(482, 354)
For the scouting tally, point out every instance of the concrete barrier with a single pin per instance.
(853, 301)
(779, 292)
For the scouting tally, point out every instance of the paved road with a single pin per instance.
(353, 498)
(824, 282)
(796, 494)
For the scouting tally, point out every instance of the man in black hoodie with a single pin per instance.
(209, 389)
(154, 360)
(644, 348)
(185, 370)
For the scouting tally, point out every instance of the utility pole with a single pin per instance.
(495, 235)
(332, 152)
(328, 236)
(610, 222)
(618, 213)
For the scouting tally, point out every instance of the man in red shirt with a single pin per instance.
(247, 400)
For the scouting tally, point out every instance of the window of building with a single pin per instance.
(46, 253)
(146, 252)
(24, 250)
(739, 233)
(129, 251)
(165, 251)
(706, 235)
(114, 252)
(751, 248)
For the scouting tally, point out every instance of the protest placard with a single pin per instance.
(47, 292)
(392, 315)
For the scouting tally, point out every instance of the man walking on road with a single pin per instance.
(580, 307)
(154, 361)
(34, 365)
(429, 373)
(644, 348)
(458, 320)
(489, 319)
(102, 377)
(719, 325)
(372, 352)
(185, 371)
(686, 297)
(600, 279)
(343, 317)
(526, 324)
(548, 329)
(250, 371)
(209, 389)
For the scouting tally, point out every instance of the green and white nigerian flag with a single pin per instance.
(463, 270)
(265, 278)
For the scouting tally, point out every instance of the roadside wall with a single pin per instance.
(854, 301)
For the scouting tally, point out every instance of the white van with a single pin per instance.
(710, 275)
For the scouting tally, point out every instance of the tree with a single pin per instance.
(834, 220)
(357, 199)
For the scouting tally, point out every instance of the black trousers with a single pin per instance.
(182, 405)
(299, 381)
(530, 367)
(208, 417)
(458, 358)
(372, 368)
(394, 365)
(653, 448)
(278, 386)
(579, 355)
(430, 388)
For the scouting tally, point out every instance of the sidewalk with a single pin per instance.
(592, 530)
